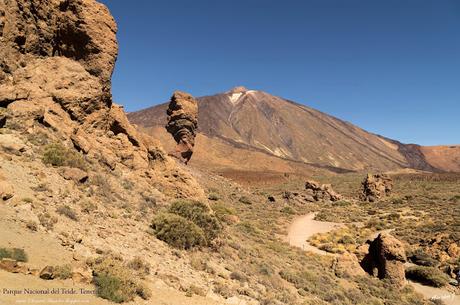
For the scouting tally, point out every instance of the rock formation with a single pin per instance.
(182, 123)
(375, 187)
(386, 259)
(321, 192)
(56, 62)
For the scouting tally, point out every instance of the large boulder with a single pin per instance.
(182, 123)
(321, 192)
(385, 259)
(375, 187)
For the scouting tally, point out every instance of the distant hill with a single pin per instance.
(254, 130)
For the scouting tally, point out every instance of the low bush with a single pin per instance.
(245, 200)
(115, 282)
(178, 231)
(57, 154)
(67, 211)
(47, 221)
(63, 272)
(427, 275)
(13, 253)
(200, 214)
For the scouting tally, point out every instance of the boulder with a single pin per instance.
(6, 190)
(347, 265)
(74, 174)
(47, 273)
(385, 259)
(375, 187)
(182, 124)
(321, 192)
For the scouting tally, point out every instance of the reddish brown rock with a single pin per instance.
(347, 265)
(375, 187)
(182, 123)
(321, 192)
(386, 259)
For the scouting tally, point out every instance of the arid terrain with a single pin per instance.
(275, 207)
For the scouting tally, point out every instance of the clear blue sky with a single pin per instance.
(391, 67)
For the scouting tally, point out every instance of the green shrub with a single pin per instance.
(287, 210)
(115, 282)
(427, 275)
(200, 214)
(178, 231)
(67, 211)
(13, 253)
(57, 155)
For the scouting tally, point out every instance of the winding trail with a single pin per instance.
(303, 227)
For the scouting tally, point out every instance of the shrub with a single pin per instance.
(63, 272)
(47, 221)
(115, 282)
(67, 211)
(427, 275)
(199, 214)
(178, 231)
(287, 210)
(140, 266)
(57, 155)
(245, 200)
(13, 253)
(213, 196)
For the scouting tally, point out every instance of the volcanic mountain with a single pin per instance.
(252, 130)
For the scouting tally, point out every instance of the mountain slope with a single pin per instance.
(255, 121)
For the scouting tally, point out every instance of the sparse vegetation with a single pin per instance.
(47, 221)
(13, 253)
(63, 272)
(57, 154)
(115, 282)
(67, 211)
(427, 275)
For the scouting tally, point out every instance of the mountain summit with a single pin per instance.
(258, 125)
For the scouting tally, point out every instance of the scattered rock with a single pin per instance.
(375, 187)
(271, 198)
(182, 123)
(386, 259)
(9, 265)
(75, 174)
(321, 192)
(454, 250)
(47, 273)
(82, 274)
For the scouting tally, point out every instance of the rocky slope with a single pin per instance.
(249, 122)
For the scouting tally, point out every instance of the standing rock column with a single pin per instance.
(182, 123)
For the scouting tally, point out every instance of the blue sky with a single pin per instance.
(391, 67)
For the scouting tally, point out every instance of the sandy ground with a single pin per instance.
(305, 226)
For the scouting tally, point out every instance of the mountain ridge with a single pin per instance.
(258, 121)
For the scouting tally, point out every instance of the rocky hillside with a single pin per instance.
(252, 122)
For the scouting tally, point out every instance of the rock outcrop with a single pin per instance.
(321, 192)
(83, 30)
(386, 259)
(375, 187)
(56, 62)
(182, 123)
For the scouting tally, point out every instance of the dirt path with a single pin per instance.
(303, 227)
(436, 293)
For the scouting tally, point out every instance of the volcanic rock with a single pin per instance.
(386, 259)
(346, 265)
(376, 186)
(182, 123)
(47, 273)
(321, 192)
